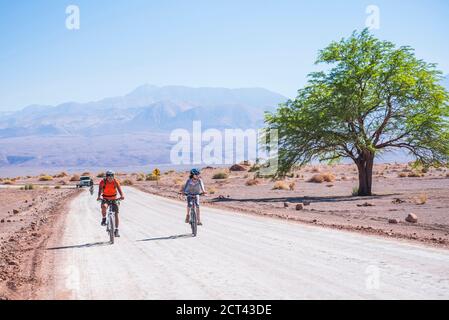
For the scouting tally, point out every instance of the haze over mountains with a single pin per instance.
(128, 130)
(132, 130)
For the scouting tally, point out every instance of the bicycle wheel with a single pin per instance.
(111, 228)
(193, 221)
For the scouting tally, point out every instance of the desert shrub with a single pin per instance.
(292, 186)
(421, 199)
(280, 185)
(8, 182)
(29, 187)
(343, 178)
(315, 170)
(140, 178)
(45, 178)
(75, 177)
(220, 175)
(252, 182)
(61, 175)
(151, 177)
(86, 173)
(317, 178)
(212, 190)
(355, 191)
(57, 187)
(328, 177)
(414, 174)
(447, 175)
(101, 175)
(237, 167)
(402, 175)
(127, 182)
(254, 168)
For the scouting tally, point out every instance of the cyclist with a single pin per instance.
(193, 188)
(107, 190)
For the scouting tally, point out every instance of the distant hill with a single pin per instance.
(137, 124)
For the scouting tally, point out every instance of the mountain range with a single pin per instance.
(139, 123)
(130, 130)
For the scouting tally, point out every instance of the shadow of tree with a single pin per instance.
(304, 199)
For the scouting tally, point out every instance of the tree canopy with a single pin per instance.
(372, 98)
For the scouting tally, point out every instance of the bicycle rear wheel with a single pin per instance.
(193, 221)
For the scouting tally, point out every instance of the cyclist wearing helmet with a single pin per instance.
(108, 189)
(193, 188)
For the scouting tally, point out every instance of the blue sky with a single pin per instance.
(123, 44)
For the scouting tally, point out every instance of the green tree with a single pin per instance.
(373, 97)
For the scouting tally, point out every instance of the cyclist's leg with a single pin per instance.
(104, 208)
(189, 205)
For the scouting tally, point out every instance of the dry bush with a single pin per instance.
(292, 186)
(414, 174)
(344, 178)
(329, 177)
(211, 190)
(8, 182)
(220, 175)
(75, 177)
(315, 170)
(29, 187)
(280, 185)
(317, 178)
(402, 175)
(86, 173)
(447, 175)
(61, 175)
(62, 182)
(421, 199)
(101, 175)
(45, 178)
(127, 182)
(252, 182)
(254, 168)
(57, 187)
(151, 177)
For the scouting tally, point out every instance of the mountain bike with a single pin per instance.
(193, 217)
(110, 218)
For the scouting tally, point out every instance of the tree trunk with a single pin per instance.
(365, 167)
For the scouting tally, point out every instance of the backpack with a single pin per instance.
(104, 184)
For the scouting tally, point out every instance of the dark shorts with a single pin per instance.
(191, 200)
(114, 205)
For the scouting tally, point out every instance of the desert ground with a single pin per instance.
(26, 222)
(320, 195)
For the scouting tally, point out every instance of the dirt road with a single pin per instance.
(235, 256)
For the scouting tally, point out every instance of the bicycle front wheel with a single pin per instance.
(111, 229)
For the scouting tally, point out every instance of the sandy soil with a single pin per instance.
(234, 256)
(331, 204)
(26, 222)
